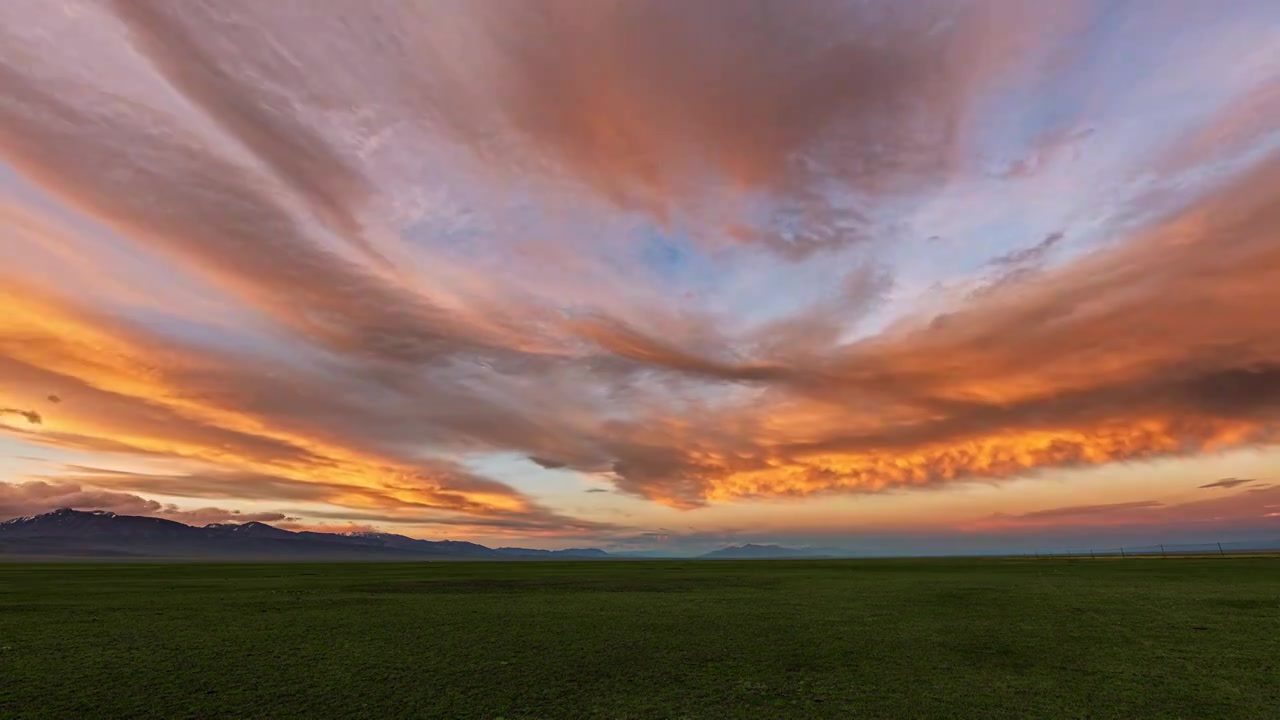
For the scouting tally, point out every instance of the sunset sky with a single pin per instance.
(893, 276)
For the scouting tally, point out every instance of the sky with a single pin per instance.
(647, 276)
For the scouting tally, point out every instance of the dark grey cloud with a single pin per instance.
(1227, 483)
(30, 416)
(546, 463)
(1079, 510)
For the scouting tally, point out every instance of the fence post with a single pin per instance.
(1220, 550)
(1162, 552)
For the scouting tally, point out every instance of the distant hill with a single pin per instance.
(750, 551)
(434, 547)
(77, 533)
(569, 553)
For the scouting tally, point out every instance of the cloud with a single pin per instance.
(321, 527)
(208, 515)
(1033, 255)
(1236, 512)
(1124, 355)
(197, 409)
(1079, 511)
(1228, 483)
(1018, 265)
(178, 46)
(30, 416)
(410, 500)
(638, 103)
(663, 244)
(37, 497)
(546, 463)
(551, 525)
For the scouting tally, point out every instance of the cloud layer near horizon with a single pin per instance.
(35, 497)
(705, 253)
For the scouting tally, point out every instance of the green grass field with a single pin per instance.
(1149, 638)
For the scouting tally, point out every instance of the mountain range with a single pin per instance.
(68, 533)
(97, 533)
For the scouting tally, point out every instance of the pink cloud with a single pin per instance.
(36, 497)
(1239, 510)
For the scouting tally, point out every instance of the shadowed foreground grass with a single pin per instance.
(1178, 638)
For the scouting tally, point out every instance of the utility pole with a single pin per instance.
(1122, 553)
(1220, 550)
(1162, 552)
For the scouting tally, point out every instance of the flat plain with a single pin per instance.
(973, 638)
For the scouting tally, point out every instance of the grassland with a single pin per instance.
(1147, 638)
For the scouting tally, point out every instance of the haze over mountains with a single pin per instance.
(752, 551)
(67, 534)
(75, 533)
(100, 534)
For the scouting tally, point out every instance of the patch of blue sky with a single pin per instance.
(670, 256)
(691, 275)
(442, 221)
(548, 485)
(758, 284)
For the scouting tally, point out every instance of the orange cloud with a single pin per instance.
(1163, 346)
(120, 399)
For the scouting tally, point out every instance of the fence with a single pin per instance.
(1220, 549)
